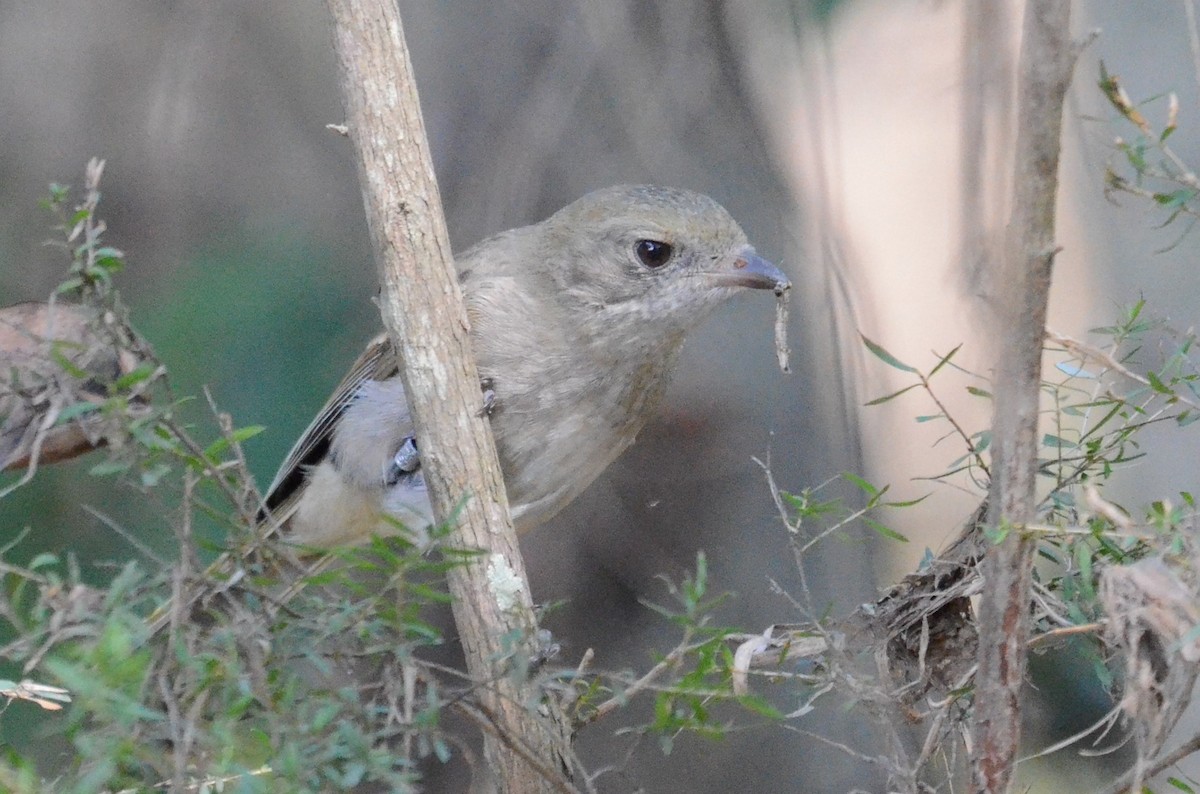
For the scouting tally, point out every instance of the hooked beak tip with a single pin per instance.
(751, 271)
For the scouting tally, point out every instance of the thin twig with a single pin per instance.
(612, 704)
(1104, 722)
(1087, 352)
(1151, 769)
(127, 536)
(954, 423)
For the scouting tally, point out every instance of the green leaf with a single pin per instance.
(892, 396)
(135, 376)
(43, 560)
(944, 360)
(110, 260)
(978, 392)
(59, 192)
(1179, 784)
(238, 435)
(863, 485)
(76, 410)
(109, 467)
(997, 534)
(1057, 442)
(886, 357)
(153, 475)
(1178, 198)
(1136, 309)
(908, 503)
(930, 418)
(1136, 156)
(1157, 384)
(884, 530)
(324, 716)
(759, 705)
(65, 363)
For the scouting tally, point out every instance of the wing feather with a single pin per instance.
(377, 362)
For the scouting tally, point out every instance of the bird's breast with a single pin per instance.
(553, 441)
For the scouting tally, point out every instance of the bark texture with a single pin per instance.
(1019, 301)
(423, 310)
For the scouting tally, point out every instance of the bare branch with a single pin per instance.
(423, 311)
(1023, 286)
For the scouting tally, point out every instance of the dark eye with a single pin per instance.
(653, 253)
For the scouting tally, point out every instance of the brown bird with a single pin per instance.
(54, 356)
(577, 323)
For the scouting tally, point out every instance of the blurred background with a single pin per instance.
(833, 131)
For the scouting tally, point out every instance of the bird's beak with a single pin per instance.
(751, 271)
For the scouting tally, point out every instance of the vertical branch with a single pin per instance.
(424, 313)
(985, 137)
(1020, 298)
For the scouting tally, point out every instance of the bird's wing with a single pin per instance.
(377, 362)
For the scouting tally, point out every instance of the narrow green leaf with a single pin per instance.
(76, 410)
(886, 357)
(884, 530)
(944, 360)
(238, 435)
(758, 705)
(1179, 784)
(108, 467)
(135, 376)
(863, 485)
(65, 363)
(978, 392)
(1177, 198)
(1157, 384)
(892, 396)
(43, 560)
(1136, 310)
(909, 502)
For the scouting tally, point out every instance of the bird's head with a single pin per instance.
(652, 255)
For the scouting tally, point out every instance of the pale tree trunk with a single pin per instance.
(424, 313)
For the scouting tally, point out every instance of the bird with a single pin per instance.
(55, 357)
(576, 322)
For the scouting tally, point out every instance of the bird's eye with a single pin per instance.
(654, 254)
